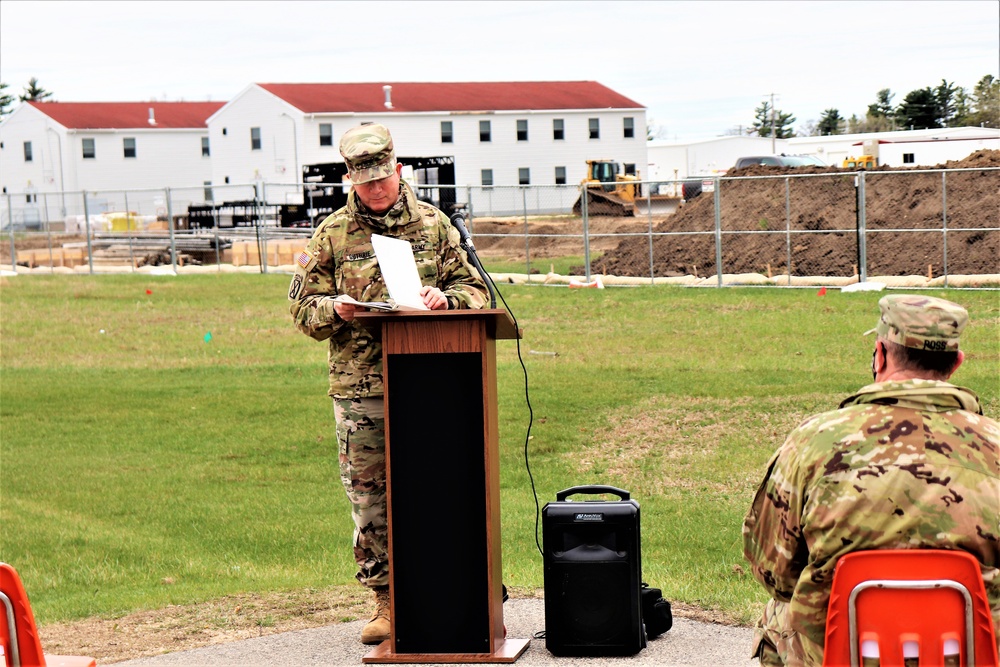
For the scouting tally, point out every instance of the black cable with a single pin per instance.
(531, 419)
(458, 221)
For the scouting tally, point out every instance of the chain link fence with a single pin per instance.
(841, 225)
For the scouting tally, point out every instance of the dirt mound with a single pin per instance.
(555, 236)
(761, 234)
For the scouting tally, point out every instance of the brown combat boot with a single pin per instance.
(376, 630)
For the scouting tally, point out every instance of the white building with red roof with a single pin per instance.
(494, 134)
(476, 134)
(66, 147)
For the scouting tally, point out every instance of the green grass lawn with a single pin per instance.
(155, 464)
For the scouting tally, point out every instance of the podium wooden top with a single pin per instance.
(499, 323)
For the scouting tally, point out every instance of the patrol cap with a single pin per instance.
(921, 322)
(368, 152)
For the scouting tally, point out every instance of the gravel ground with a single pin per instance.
(689, 642)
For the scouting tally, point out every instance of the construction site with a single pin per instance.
(922, 224)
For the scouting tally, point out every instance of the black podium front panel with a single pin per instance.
(438, 503)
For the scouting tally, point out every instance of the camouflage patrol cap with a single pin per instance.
(921, 322)
(368, 152)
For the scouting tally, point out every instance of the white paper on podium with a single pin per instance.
(399, 270)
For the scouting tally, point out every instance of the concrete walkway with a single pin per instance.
(687, 643)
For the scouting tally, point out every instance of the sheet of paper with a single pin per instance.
(399, 270)
(373, 305)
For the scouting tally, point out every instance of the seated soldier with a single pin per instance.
(908, 462)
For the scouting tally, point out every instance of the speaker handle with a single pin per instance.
(592, 490)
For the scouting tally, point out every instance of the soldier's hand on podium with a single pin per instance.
(345, 311)
(434, 298)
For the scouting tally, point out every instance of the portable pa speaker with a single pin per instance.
(593, 574)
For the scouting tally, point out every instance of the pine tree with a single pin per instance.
(831, 123)
(963, 110)
(986, 102)
(945, 95)
(883, 104)
(777, 124)
(5, 100)
(919, 110)
(34, 93)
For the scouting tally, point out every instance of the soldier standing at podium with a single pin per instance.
(339, 259)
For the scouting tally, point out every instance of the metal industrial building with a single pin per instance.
(904, 148)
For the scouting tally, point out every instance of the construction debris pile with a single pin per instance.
(913, 202)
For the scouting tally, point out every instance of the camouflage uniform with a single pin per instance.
(339, 259)
(907, 464)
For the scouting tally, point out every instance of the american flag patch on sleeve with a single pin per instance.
(303, 259)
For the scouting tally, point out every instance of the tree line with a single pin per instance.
(946, 105)
(33, 92)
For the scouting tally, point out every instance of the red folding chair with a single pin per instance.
(909, 607)
(18, 633)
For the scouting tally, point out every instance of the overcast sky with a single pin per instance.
(700, 68)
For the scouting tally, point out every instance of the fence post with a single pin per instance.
(256, 225)
(10, 227)
(788, 227)
(586, 229)
(309, 209)
(717, 201)
(48, 233)
(263, 222)
(215, 231)
(944, 224)
(649, 218)
(468, 212)
(86, 222)
(170, 228)
(128, 230)
(527, 239)
(859, 185)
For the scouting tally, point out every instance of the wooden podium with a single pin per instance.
(443, 479)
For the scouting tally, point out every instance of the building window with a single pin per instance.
(629, 168)
(487, 176)
(908, 158)
(484, 130)
(524, 176)
(128, 146)
(446, 132)
(558, 131)
(522, 130)
(595, 128)
(227, 180)
(325, 134)
(628, 128)
(205, 152)
(225, 131)
(560, 175)
(255, 138)
(208, 191)
(89, 152)
(28, 157)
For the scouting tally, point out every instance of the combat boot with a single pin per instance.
(376, 630)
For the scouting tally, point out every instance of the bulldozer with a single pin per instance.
(863, 162)
(611, 192)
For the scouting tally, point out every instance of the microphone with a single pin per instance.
(458, 222)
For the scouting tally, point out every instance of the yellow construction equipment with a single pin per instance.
(863, 162)
(611, 192)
